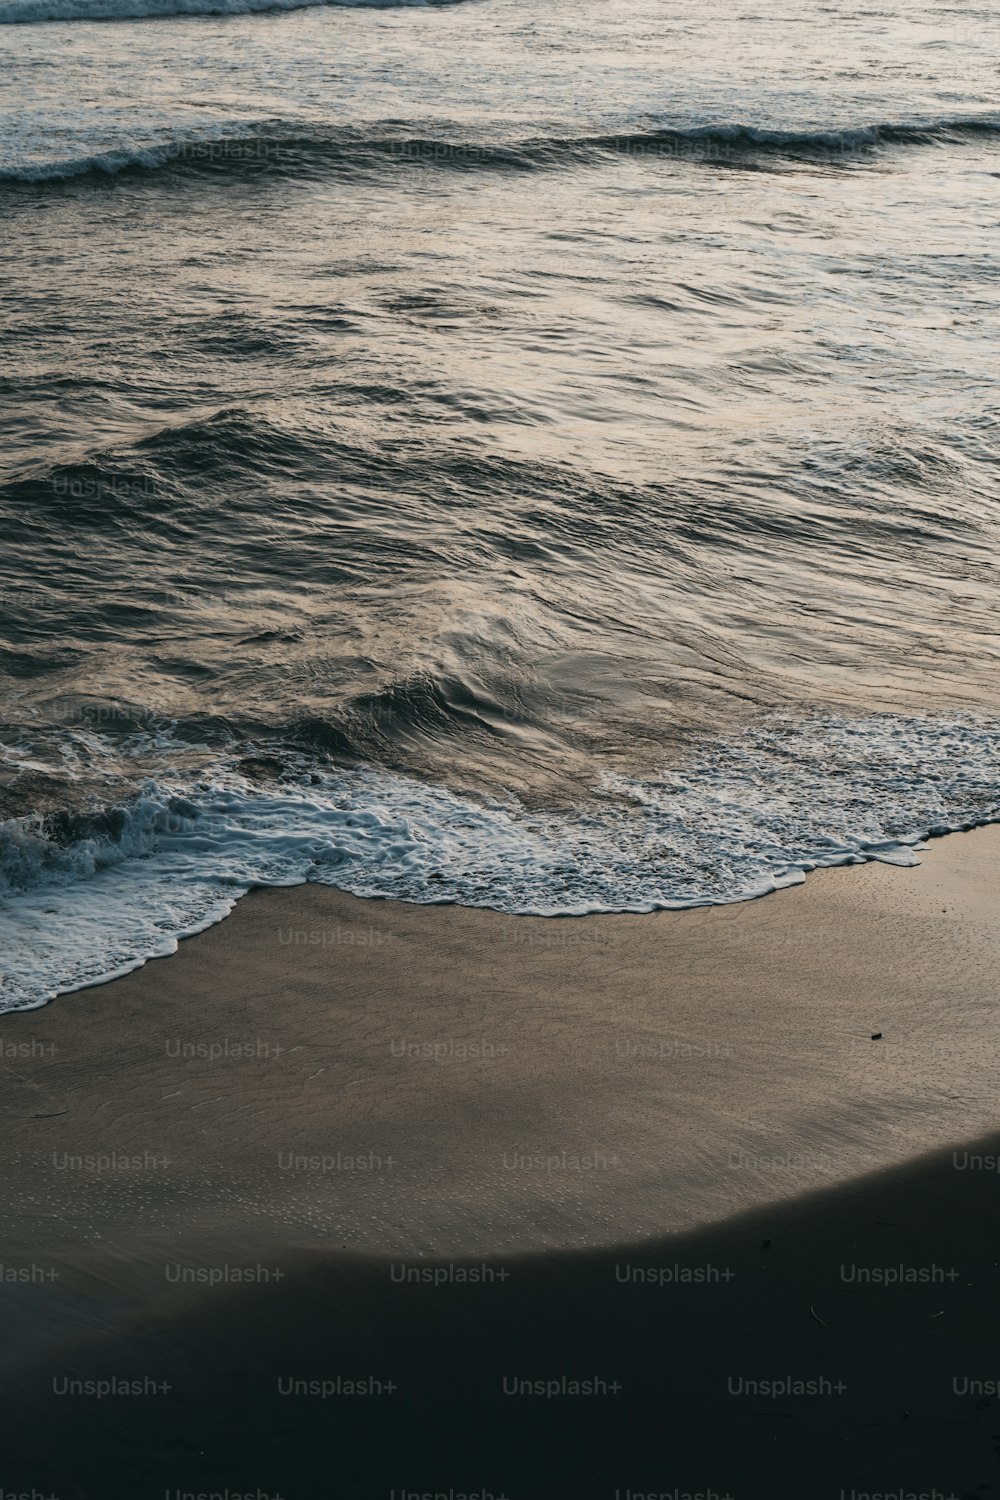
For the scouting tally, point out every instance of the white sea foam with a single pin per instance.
(745, 817)
(25, 12)
(78, 166)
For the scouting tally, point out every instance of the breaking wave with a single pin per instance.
(87, 896)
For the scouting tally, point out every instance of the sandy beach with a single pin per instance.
(691, 1202)
(499, 542)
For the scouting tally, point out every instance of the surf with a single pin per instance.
(110, 888)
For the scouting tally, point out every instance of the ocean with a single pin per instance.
(541, 457)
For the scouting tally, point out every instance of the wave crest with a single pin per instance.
(291, 154)
(29, 12)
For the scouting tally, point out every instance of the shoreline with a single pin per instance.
(790, 879)
(519, 1028)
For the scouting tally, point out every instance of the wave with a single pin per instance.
(837, 141)
(28, 12)
(87, 896)
(290, 154)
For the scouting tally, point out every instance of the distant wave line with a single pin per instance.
(292, 153)
(30, 12)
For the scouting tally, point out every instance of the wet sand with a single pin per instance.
(447, 1151)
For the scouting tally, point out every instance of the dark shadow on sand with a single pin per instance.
(775, 1295)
